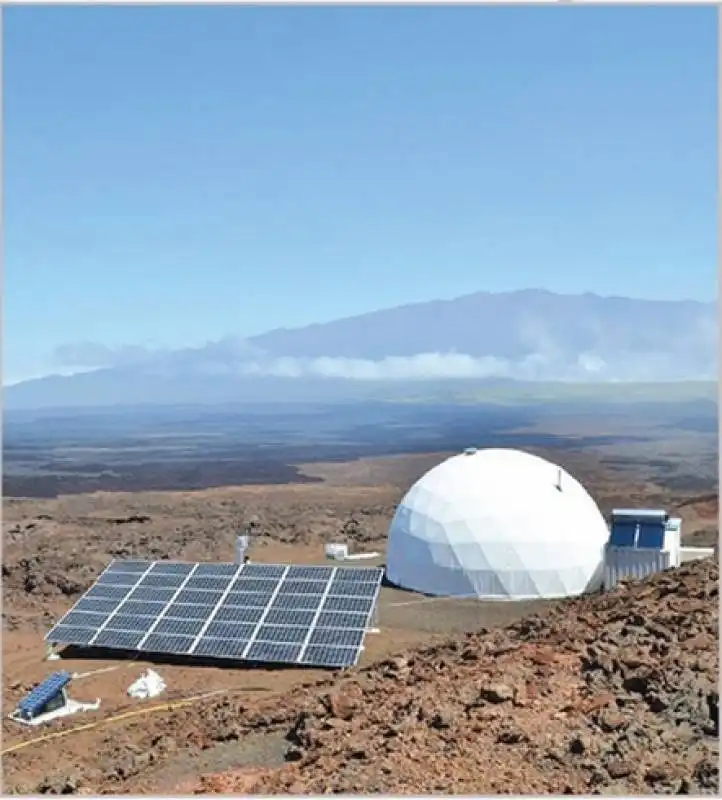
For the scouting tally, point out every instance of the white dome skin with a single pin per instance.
(499, 525)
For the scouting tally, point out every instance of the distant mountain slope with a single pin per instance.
(510, 325)
(525, 335)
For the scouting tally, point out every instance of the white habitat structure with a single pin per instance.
(497, 524)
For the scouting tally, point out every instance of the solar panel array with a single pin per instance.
(642, 534)
(310, 615)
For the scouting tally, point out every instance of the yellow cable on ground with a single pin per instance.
(169, 706)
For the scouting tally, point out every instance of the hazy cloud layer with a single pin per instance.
(550, 361)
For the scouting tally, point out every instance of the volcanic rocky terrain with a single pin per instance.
(615, 693)
(611, 694)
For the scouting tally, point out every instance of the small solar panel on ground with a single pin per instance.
(34, 702)
(311, 615)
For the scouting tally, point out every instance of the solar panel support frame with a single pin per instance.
(373, 623)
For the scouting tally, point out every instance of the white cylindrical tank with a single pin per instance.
(497, 524)
(241, 548)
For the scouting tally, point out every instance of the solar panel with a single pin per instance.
(118, 640)
(179, 627)
(254, 585)
(216, 570)
(264, 571)
(152, 595)
(638, 533)
(118, 578)
(71, 634)
(130, 622)
(309, 573)
(342, 621)
(337, 637)
(34, 702)
(83, 619)
(623, 534)
(162, 581)
(283, 616)
(361, 574)
(320, 656)
(107, 592)
(221, 648)
(353, 589)
(127, 566)
(339, 603)
(198, 597)
(176, 611)
(238, 614)
(139, 607)
(248, 599)
(295, 634)
(270, 651)
(166, 643)
(651, 535)
(171, 568)
(230, 630)
(213, 582)
(303, 587)
(297, 602)
(300, 614)
(96, 606)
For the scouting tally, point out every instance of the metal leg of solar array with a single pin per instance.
(166, 607)
(312, 626)
(374, 621)
(266, 611)
(121, 604)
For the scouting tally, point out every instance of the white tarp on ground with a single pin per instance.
(150, 684)
(497, 524)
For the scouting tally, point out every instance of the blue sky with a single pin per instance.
(174, 175)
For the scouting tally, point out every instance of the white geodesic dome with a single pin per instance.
(498, 525)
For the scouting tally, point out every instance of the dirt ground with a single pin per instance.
(54, 549)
